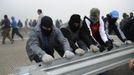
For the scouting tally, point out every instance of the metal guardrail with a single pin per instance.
(88, 64)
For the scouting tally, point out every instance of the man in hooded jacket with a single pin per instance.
(42, 42)
(71, 31)
(6, 29)
(112, 25)
(15, 29)
(94, 27)
(128, 29)
(40, 13)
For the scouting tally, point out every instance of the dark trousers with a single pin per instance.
(6, 34)
(15, 31)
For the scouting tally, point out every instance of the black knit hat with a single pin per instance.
(46, 21)
(75, 18)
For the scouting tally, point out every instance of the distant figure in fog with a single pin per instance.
(26, 23)
(34, 23)
(131, 15)
(39, 12)
(20, 25)
(15, 29)
(6, 29)
(128, 29)
(124, 20)
(57, 23)
(30, 23)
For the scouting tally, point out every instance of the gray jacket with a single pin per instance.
(73, 37)
(33, 46)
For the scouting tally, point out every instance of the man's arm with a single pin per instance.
(119, 33)
(102, 31)
(86, 34)
(66, 34)
(34, 44)
(62, 39)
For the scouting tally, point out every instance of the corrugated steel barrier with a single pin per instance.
(88, 64)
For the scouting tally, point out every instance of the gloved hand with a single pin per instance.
(127, 42)
(68, 54)
(109, 45)
(46, 58)
(94, 48)
(117, 44)
(79, 51)
(101, 48)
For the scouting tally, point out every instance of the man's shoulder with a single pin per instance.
(64, 25)
(55, 29)
(34, 32)
(41, 15)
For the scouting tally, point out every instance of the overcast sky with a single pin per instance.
(61, 9)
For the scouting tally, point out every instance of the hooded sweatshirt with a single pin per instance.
(36, 45)
(6, 23)
(13, 23)
(71, 32)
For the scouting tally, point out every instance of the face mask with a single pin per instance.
(94, 18)
(74, 22)
(46, 31)
(74, 27)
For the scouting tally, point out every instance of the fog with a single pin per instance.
(61, 9)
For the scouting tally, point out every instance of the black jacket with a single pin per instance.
(85, 34)
(128, 29)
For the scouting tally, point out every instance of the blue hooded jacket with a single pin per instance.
(13, 23)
